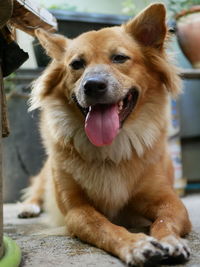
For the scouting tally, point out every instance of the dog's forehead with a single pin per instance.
(107, 39)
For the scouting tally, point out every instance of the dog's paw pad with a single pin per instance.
(176, 249)
(147, 251)
(29, 211)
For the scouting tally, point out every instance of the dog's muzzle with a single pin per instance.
(105, 104)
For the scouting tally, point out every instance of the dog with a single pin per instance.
(103, 102)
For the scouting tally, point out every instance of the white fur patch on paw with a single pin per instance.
(176, 247)
(28, 210)
(146, 250)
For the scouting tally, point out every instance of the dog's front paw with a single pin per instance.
(28, 210)
(176, 249)
(145, 252)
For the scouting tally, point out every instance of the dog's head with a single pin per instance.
(108, 76)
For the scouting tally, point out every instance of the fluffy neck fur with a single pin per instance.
(138, 135)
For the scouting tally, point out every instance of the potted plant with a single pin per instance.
(187, 16)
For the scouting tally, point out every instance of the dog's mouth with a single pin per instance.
(103, 121)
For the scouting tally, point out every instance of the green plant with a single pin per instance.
(131, 7)
(59, 4)
(9, 85)
(175, 6)
(12, 88)
(63, 6)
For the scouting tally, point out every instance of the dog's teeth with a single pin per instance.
(120, 105)
(129, 97)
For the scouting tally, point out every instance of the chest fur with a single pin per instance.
(106, 185)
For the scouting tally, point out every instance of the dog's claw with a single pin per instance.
(176, 250)
(29, 211)
(157, 245)
(145, 252)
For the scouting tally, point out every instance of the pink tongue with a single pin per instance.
(102, 124)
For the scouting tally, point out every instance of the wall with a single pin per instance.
(25, 42)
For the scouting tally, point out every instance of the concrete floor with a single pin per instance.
(42, 247)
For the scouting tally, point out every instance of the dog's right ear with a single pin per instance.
(54, 44)
(149, 26)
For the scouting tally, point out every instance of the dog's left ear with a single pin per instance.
(149, 26)
(54, 44)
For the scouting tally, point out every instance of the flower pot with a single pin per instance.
(188, 34)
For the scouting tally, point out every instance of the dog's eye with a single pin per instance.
(119, 58)
(77, 64)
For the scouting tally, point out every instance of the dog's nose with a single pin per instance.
(95, 87)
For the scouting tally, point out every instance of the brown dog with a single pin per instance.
(103, 103)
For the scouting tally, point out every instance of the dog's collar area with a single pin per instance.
(125, 106)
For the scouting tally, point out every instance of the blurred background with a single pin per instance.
(23, 152)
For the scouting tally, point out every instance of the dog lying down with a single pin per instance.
(103, 102)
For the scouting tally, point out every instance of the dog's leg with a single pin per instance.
(33, 196)
(83, 221)
(134, 249)
(170, 221)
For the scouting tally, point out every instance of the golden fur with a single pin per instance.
(89, 188)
